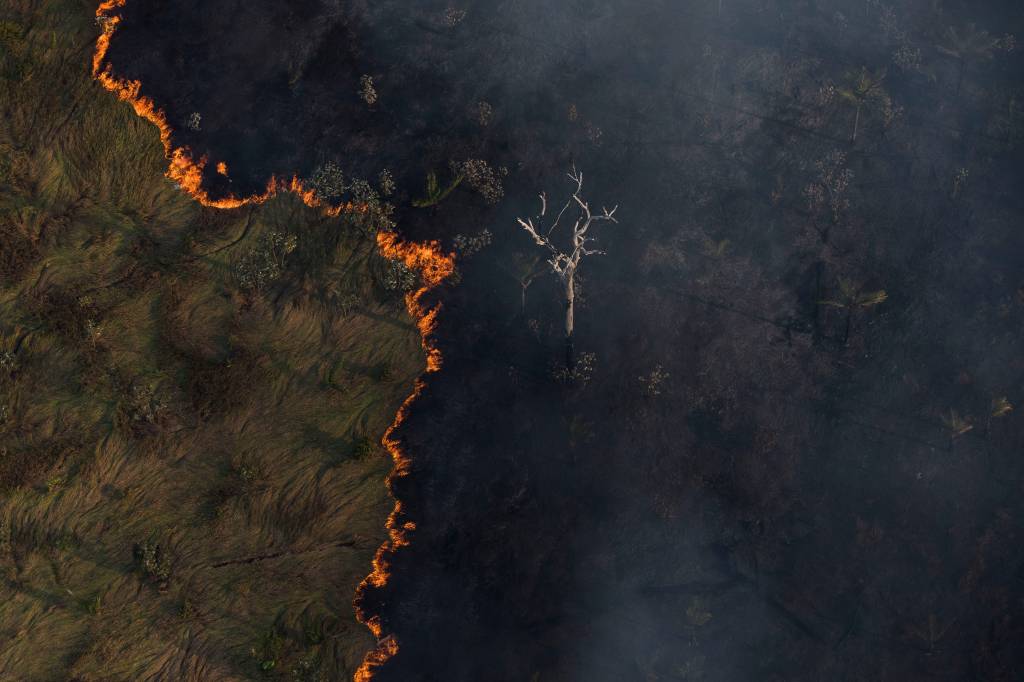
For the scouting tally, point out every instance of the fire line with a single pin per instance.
(427, 259)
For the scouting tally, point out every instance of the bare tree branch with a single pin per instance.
(565, 263)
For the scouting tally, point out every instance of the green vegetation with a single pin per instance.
(853, 298)
(861, 89)
(164, 510)
(265, 263)
(435, 194)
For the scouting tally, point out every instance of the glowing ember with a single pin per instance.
(427, 259)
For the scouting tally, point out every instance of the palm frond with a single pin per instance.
(872, 298)
(957, 424)
(1001, 407)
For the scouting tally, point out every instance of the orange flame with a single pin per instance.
(427, 259)
(434, 267)
(387, 648)
(183, 168)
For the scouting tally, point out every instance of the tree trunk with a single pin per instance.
(819, 266)
(570, 322)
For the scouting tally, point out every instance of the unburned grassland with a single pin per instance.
(191, 399)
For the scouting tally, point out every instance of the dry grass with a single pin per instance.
(147, 402)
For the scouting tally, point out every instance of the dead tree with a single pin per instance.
(565, 263)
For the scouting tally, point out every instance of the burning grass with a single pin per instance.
(183, 167)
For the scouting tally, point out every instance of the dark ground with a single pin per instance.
(800, 498)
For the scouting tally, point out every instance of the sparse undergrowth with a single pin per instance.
(190, 399)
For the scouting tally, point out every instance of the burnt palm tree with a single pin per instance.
(968, 44)
(524, 269)
(862, 89)
(853, 298)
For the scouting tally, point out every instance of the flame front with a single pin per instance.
(183, 168)
(427, 259)
(433, 266)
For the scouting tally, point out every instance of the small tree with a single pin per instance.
(435, 193)
(524, 269)
(565, 263)
(968, 45)
(862, 88)
(851, 299)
